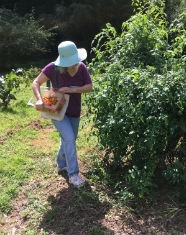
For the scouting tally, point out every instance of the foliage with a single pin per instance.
(8, 85)
(11, 82)
(78, 20)
(139, 101)
(174, 8)
(21, 37)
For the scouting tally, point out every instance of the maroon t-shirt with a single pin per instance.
(81, 78)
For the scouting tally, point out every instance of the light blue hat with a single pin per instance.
(69, 54)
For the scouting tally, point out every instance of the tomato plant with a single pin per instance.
(139, 99)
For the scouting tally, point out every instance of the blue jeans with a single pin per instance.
(67, 156)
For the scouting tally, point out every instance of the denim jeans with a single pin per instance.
(67, 156)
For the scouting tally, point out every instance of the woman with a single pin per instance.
(72, 78)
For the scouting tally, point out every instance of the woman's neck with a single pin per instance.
(72, 70)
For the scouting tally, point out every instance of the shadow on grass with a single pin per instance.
(74, 212)
(7, 110)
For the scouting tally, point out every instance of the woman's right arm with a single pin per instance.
(41, 78)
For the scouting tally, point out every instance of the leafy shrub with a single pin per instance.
(8, 85)
(139, 100)
(11, 82)
(21, 37)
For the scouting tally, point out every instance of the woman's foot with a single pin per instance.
(60, 171)
(76, 181)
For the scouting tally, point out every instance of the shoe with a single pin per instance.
(60, 171)
(76, 181)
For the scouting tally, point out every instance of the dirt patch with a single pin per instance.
(2, 140)
(36, 125)
(52, 206)
(41, 141)
(7, 135)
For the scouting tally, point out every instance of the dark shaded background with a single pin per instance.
(76, 20)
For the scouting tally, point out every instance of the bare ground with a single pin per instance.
(52, 206)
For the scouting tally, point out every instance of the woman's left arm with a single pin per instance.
(79, 89)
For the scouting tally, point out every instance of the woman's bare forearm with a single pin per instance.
(36, 85)
(78, 89)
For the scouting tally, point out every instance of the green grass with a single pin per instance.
(23, 155)
(27, 161)
(27, 166)
(17, 153)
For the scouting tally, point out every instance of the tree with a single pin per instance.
(20, 37)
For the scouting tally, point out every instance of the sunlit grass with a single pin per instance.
(18, 156)
(29, 145)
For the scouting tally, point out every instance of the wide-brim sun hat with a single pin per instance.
(69, 54)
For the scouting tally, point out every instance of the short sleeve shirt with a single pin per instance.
(81, 78)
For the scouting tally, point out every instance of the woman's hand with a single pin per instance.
(39, 105)
(66, 90)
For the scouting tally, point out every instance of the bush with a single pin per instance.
(11, 82)
(21, 37)
(139, 101)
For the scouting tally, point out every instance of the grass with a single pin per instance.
(35, 200)
(18, 127)
(28, 149)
